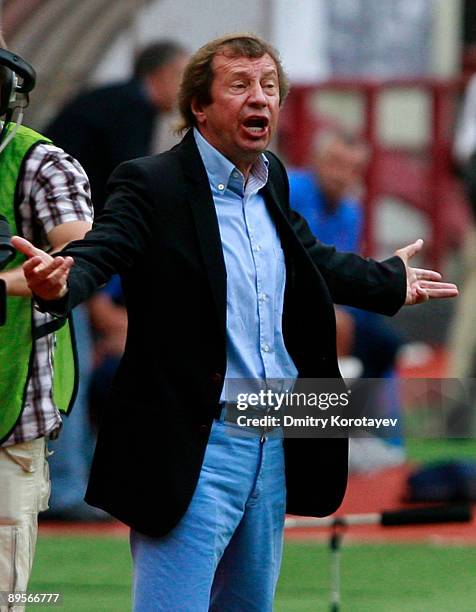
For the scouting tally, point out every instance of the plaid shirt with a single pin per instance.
(52, 190)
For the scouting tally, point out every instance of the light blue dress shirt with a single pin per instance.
(256, 273)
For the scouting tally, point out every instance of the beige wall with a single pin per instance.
(191, 22)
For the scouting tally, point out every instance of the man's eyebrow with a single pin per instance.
(239, 72)
(270, 73)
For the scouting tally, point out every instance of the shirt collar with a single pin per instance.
(221, 170)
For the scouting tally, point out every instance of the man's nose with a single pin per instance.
(257, 95)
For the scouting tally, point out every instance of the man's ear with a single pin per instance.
(197, 110)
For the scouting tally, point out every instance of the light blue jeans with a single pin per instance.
(225, 553)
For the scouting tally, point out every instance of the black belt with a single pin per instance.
(251, 419)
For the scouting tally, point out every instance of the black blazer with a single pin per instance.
(159, 230)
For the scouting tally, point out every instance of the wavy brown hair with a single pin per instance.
(198, 75)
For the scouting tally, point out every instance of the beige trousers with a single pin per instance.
(24, 491)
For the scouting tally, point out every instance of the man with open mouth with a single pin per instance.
(223, 282)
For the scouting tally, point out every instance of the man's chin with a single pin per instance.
(255, 146)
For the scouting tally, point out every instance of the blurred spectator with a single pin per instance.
(462, 342)
(104, 127)
(463, 335)
(327, 194)
(109, 320)
(465, 136)
(114, 123)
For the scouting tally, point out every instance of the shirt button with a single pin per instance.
(266, 348)
(221, 186)
(263, 297)
(258, 248)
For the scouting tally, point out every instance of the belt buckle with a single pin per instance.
(229, 413)
(266, 429)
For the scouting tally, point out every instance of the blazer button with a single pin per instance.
(217, 378)
(203, 428)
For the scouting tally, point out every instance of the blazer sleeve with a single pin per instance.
(351, 279)
(354, 280)
(120, 238)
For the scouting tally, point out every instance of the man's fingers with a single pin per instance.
(48, 280)
(438, 290)
(424, 290)
(440, 293)
(25, 246)
(437, 285)
(410, 250)
(423, 285)
(421, 295)
(57, 280)
(40, 270)
(37, 263)
(422, 274)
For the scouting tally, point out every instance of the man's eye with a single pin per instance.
(270, 86)
(238, 85)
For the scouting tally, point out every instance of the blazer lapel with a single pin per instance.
(206, 222)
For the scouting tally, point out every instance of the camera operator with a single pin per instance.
(45, 196)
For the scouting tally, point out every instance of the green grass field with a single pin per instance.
(93, 574)
(419, 451)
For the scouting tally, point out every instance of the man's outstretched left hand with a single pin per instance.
(423, 285)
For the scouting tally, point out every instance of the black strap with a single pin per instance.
(48, 328)
(3, 302)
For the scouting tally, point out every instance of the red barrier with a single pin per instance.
(423, 178)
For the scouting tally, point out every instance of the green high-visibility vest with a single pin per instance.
(18, 335)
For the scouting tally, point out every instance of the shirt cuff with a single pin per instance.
(56, 308)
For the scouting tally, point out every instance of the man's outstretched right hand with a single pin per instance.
(45, 275)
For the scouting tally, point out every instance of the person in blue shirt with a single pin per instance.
(107, 311)
(326, 194)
